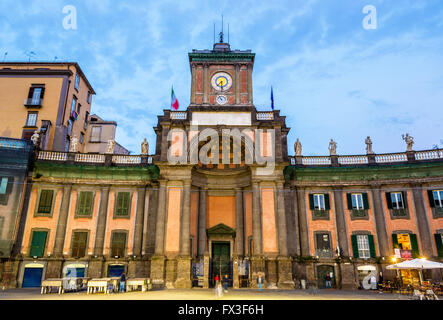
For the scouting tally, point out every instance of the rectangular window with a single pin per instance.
(122, 205)
(38, 243)
(85, 203)
(79, 108)
(45, 203)
(397, 200)
(3, 185)
(89, 97)
(357, 201)
(77, 82)
(323, 245)
(73, 104)
(438, 198)
(79, 243)
(82, 137)
(85, 124)
(95, 134)
(70, 126)
(36, 96)
(363, 246)
(118, 244)
(31, 121)
(319, 202)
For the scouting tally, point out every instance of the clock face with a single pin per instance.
(221, 99)
(221, 81)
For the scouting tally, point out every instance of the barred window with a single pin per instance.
(363, 246)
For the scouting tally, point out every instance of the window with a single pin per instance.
(6, 184)
(323, 245)
(89, 97)
(84, 207)
(67, 144)
(38, 243)
(95, 134)
(45, 203)
(79, 243)
(3, 185)
(405, 245)
(70, 126)
(31, 121)
(122, 204)
(363, 246)
(397, 200)
(439, 243)
(35, 96)
(79, 107)
(85, 124)
(118, 244)
(438, 198)
(82, 137)
(319, 202)
(357, 201)
(73, 104)
(77, 82)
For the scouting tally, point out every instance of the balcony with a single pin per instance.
(33, 103)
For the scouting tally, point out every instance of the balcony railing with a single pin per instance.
(391, 157)
(316, 161)
(52, 156)
(33, 102)
(90, 158)
(179, 115)
(265, 115)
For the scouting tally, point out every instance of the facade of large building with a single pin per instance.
(221, 195)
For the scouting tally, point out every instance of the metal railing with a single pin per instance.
(33, 102)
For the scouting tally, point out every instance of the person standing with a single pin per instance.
(328, 281)
(122, 282)
(259, 281)
(373, 282)
(226, 282)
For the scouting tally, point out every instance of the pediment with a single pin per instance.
(221, 229)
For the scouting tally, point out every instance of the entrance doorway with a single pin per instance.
(32, 276)
(322, 271)
(221, 261)
(115, 270)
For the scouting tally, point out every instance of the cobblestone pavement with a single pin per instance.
(205, 294)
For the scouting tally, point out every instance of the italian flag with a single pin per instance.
(174, 101)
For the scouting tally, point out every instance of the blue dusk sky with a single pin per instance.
(332, 77)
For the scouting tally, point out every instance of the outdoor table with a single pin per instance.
(133, 284)
(98, 285)
(48, 284)
(73, 284)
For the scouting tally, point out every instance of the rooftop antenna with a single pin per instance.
(55, 58)
(228, 32)
(214, 32)
(4, 57)
(30, 54)
(221, 33)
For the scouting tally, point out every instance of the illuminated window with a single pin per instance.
(363, 246)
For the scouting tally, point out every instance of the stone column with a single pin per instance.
(281, 221)
(205, 83)
(138, 232)
(161, 214)
(422, 221)
(202, 222)
(62, 221)
(240, 222)
(380, 221)
(186, 216)
(194, 83)
(101, 221)
(250, 97)
(302, 222)
(256, 220)
(237, 83)
(341, 222)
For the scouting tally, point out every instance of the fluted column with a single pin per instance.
(239, 222)
(281, 221)
(202, 222)
(186, 219)
(380, 221)
(341, 222)
(160, 225)
(62, 221)
(302, 222)
(138, 232)
(422, 220)
(256, 220)
(101, 221)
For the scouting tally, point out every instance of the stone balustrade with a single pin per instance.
(265, 115)
(391, 157)
(94, 158)
(179, 115)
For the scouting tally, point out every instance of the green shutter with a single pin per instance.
(371, 245)
(414, 245)
(405, 198)
(38, 244)
(327, 204)
(79, 244)
(85, 203)
(395, 241)
(354, 246)
(311, 201)
(431, 198)
(349, 198)
(365, 201)
(388, 200)
(118, 244)
(122, 208)
(439, 243)
(45, 202)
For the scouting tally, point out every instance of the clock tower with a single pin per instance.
(221, 76)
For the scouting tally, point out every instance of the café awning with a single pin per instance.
(416, 264)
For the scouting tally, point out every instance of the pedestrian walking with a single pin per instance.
(373, 282)
(122, 282)
(328, 281)
(259, 281)
(226, 282)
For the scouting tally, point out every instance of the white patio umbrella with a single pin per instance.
(418, 264)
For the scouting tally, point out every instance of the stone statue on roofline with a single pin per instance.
(409, 141)
(111, 146)
(35, 138)
(297, 147)
(145, 147)
(368, 142)
(74, 143)
(332, 148)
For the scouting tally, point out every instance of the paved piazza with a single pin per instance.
(204, 294)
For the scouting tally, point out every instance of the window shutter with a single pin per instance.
(311, 201)
(88, 202)
(414, 245)
(45, 203)
(439, 243)
(38, 244)
(405, 198)
(42, 94)
(431, 199)
(327, 205)
(354, 245)
(388, 200)
(394, 241)
(31, 92)
(349, 198)
(365, 201)
(371, 245)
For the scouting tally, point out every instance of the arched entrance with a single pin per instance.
(322, 272)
